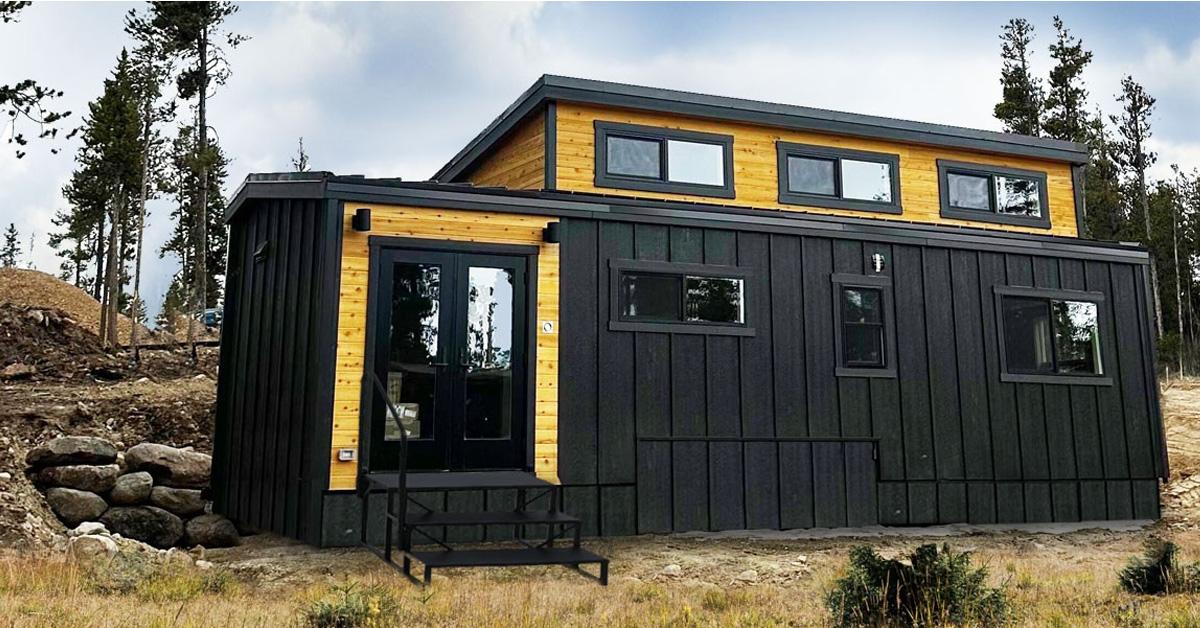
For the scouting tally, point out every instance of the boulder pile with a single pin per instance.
(150, 493)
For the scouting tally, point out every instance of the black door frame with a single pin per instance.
(367, 397)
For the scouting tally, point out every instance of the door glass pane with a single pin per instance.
(652, 297)
(1018, 197)
(1076, 337)
(968, 191)
(1027, 342)
(694, 162)
(633, 157)
(715, 300)
(809, 175)
(867, 180)
(489, 352)
(413, 348)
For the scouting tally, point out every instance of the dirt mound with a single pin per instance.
(34, 288)
(46, 343)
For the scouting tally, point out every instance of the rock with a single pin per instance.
(672, 570)
(748, 576)
(72, 450)
(180, 468)
(144, 523)
(74, 507)
(212, 531)
(90, 546)
(5, 476)
(17, 371)
(203, 565)
(176, 556)
(184, 502)
(84, 477)
(131, 488)
(88, 527)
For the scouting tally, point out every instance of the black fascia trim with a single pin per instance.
(1048, 294)
(884, 284)
(253, 190)
(603, 179)
(1078, 183)
(784, 150)
(550, 143)
(455, 246)
(617, 323)
(945, 167)
(564, 204)
(757, 112)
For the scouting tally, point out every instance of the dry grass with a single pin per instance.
(1062, 580)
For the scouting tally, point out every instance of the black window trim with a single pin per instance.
(883, 283)
(1052, 294)
(618, 322)
(945, 167)
(604, 179)
(784, 150)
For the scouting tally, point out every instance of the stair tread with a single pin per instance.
(483, 518)
(505, 557)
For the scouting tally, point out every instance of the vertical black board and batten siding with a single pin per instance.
(667, 432)
(271, 444)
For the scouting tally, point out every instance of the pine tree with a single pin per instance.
(300, 160)
(1133, 125)
(26, 100)
(181, 184)
(1105, 218)
(1021, 107)
(1066, 99)
(191, 33)
(10, 252)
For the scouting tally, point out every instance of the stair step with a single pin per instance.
(486, 518)
(506, 557)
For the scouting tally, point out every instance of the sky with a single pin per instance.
(396, 89)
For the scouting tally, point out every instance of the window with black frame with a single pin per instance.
(1050, 336)
(663, 160)
(863, 337)
(993, 194)
(838, 178)
(678, 298)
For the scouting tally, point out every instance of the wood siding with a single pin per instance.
(519, 162)
(274, 397)
(449, 225)
(755, 167)
(672, 431)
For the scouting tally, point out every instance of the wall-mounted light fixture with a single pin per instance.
(362, 219)
(552, 234)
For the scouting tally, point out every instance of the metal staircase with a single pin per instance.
(406, 518)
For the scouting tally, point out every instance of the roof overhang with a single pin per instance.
(560, 88)
(632, 209)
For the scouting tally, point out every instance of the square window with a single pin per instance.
(863, 337)
(633, 157)
(695, 162)
(1048, 336)
(968, 191)
(810, 175)
(1017, 196)
(867, 181)
(650, 296)
(714, 300)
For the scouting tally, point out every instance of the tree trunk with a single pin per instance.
(1178, 286)
(1144, 201)
(141, 231)
(201, 254)
(98, 288)
(109, 321)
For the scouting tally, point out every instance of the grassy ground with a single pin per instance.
(1061, 579)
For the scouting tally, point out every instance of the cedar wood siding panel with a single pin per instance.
(520, 160)
(756, 169)
(274, 401)
(757, 432)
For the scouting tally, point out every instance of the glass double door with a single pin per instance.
(450, 349)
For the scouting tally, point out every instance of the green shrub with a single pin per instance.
(933, 588)
(351, 606)
(1158, 570)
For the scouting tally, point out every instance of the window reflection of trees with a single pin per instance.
(714, 299)
(489, 342)
(414, 324)
(1076, 336)
(1017, 197)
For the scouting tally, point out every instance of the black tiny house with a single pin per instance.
(757, 316)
